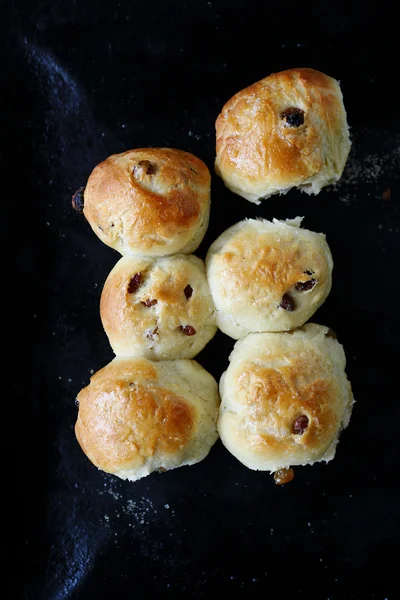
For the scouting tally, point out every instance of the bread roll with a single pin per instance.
(150, 201)
(285, 398)
(267, 276)
(138, 416)
(287, 130)
(158, 308)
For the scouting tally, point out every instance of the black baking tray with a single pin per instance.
(83, 80)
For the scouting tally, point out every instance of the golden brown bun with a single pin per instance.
(158, 308)
(150, 201)
(267, 276)
(287, 130)
(137, 416)
(275, 383)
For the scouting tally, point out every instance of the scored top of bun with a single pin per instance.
(137, 416)
(149, 201)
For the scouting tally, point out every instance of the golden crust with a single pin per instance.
(149, 201)
(155, 331)
(254, 263)
(137, 416)
(273, 380)
(258, 154)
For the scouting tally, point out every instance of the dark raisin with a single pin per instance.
(147, 166)
(112, 224)
(287, 302)
(134, 283)
(149, 302)
(305, 286)
(188, 329)
(294, 117)
(188, 291)
(331, 334)
(152, 334)
(300, 425)
(78, 200)
(308, 272)
(283, 476)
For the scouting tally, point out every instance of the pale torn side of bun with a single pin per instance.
(285, 398)
(137, 416)
(159, 308)
(149, 201)
(287, 130)
(267, 276)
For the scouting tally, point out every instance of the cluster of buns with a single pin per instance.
(285, 396)
(137, 415)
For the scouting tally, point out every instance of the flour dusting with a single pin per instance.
(371, 168)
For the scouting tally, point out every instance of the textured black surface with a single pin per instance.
(88, 79)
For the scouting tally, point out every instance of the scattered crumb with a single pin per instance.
(386, 194)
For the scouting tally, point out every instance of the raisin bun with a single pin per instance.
(287, 130)
(138, 416)
(267, 276)
(150, 201)
(158, 308)
(285, 398)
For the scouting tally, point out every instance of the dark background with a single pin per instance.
(82, 80)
